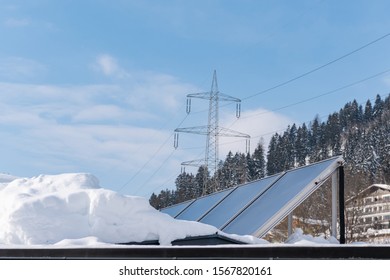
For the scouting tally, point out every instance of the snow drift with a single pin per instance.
(49, 209)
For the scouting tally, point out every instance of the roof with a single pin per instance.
(372, 188)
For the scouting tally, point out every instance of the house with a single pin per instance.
(368, 213)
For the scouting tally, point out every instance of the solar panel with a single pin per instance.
(236, 201)
(281, 198)
(174, 210)
(200, 206)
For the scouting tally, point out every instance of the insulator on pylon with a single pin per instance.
(238, 110)
(248, 145)
(188, 108)
(176, 140)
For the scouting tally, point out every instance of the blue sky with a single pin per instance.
(99, 86)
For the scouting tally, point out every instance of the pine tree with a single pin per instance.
(274, 156)
(368, 112)
(240, 169)
(315, 140)
(378, 107)
(333, 134)
(155, 201)
(302, 146)
(202, 179)
(186, 187)
(227, 172)
(256, 162)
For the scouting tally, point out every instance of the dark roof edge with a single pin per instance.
(211, 239)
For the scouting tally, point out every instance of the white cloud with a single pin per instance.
(109, 66)
(258, 123)
(162, 90)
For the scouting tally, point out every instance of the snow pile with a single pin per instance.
(74, 209)
(5, 179)
(298, 238)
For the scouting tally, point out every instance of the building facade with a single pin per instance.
(368, 214)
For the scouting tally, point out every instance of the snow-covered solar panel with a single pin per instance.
(281, 198)
(200, 206)
(174, 210)
(236, 201)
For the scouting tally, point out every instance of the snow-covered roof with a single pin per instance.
(72, 209)
(381, 186)
(375, 187)
(6, 178)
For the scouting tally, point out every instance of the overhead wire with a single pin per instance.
(169, 179)
(321, 95)
(319, 67)
(155, 172)
(150, 159)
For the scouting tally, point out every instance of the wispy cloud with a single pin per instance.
(17, 22)
(109, 66)
(19, 68)
(145, 89)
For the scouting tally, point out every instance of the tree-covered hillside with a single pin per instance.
(359, 132)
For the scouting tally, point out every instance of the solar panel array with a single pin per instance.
(256, 207)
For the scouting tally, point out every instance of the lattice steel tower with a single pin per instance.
(213, 131)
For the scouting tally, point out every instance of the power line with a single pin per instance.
(151, 158)
(165, 183)
(156, 171)
(320, 95)
(318, 68)
(169, 179)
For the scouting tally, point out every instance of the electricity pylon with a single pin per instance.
(212, 131)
